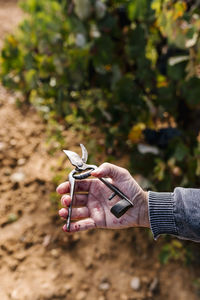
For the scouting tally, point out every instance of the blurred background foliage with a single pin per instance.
(130, 69)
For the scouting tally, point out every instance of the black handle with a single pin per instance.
(83, 175)
(120, 208)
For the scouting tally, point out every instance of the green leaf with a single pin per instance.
(181, 152)
(137, 9)
(191, 92)
(31, 80)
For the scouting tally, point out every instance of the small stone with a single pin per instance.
(81, 295)
(21, 161)
(43, 265)
(13, 142)
(13, 265)
(104, 286)
(85, 287)
(46, 240)
(7, 172)
(68, 287)
(135, 283)
(101, 298)
(53, 276)
(55, 253)
(20, 256)
(68, 272)
(104, 279)
(154, 285)
(2, 146)
(88, 263)
(17, 177)
(123, 297)
(15, 295)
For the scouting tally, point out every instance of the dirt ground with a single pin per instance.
(37, 260)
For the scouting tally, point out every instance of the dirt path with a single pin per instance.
(37, 260)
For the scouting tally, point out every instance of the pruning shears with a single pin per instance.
(82, 171)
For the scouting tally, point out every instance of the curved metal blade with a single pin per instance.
(74, 158)
(84, 153)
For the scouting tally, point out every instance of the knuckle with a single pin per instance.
(125, 171)
(106, 165)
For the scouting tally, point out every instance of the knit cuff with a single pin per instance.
(161, 214)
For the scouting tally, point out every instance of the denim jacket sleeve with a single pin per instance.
(176, 213)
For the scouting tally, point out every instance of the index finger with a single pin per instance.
(80, 186)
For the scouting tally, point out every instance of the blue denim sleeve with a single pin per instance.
(176, 213)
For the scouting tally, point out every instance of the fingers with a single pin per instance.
(110, 170)
(80, 225)
(77, 213)
(79, 200)
(81, 186)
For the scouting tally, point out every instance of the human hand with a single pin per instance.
(91, 205)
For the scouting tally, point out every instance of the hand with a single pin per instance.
(92, 207)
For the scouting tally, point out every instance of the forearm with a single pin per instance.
(176, 213)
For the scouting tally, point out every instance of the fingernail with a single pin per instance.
(60, 189)
(62, 212)
(64, 228)
(64, 201)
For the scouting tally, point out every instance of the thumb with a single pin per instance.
(109, 170)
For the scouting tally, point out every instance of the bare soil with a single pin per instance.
(37, 260)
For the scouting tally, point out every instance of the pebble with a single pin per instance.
(69, 273)
(46, 286)
(7, 172)
(101, 298)
(43, 265)
(47, 240)
(13, 265)
(17, 177)
(81, 295)
(21, 161)
(15, 295)
(55, 253)
(68, 287)
(85, 287)
(88, 263)
(13, 142)
(104, 286)
(123, 297)
(20, 255)
(135, 283)
(2, 146)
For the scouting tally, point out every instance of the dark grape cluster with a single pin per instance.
(162, 137)
(122, 16)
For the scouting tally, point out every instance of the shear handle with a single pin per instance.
(83, 175)
(116, 191)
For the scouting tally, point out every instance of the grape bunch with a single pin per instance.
(162, 137)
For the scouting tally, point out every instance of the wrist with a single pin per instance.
(144, 211)
(146, 200)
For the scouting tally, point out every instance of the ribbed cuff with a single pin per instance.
(161, 214)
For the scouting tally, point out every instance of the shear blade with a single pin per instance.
(84, 153)
(73, 157)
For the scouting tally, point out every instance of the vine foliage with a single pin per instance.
(132, 68)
